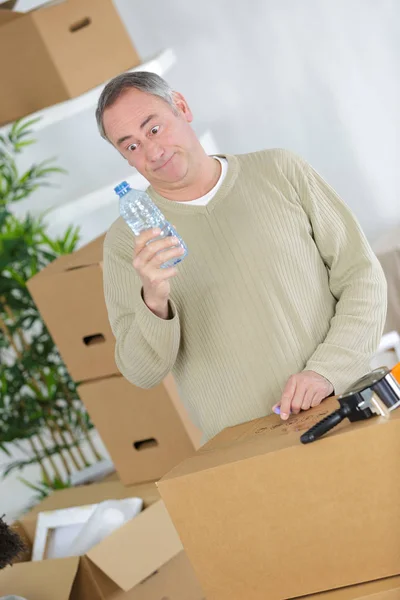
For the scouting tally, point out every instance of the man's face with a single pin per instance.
(153, 138)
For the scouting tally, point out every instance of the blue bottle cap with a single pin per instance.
(122, 188)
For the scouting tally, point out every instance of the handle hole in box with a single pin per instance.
(145, 444)
(92, 340)
(80, 25)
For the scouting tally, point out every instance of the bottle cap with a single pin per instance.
(122, 188)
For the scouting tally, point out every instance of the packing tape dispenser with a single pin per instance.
(375, 394)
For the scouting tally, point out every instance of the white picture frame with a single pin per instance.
(51, 521)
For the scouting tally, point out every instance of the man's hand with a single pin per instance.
(147, 261)
(303, 391)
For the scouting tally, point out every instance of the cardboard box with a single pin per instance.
(263, 516)
(58, 52)
(69, 295)
(147, 432)
(143, 560)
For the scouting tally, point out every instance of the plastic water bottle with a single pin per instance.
(140, 213)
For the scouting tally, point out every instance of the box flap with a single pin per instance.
(139, 548)
(90, 254)
(57, 266)
(6, 15)
(44, 580)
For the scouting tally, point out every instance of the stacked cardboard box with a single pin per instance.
(262, 516)
(147, 432)
(58, 52)
(143, 560)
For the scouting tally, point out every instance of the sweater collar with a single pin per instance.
(180, 207)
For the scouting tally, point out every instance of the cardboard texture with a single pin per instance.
(143, 559)
(58, 52)
(263, 516)
(69, 294)
(147, 432)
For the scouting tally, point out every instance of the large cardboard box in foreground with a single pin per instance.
(143, 560)
(69, 295)
(147, 432)
(58, 52)
(263, 516)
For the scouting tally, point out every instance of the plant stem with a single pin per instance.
(36, 387)
(45, 475)
(66, 443)
(56, 443)
(19, 332)
(89, 440)
(49, 457)
(11, 340)
(77, 446)
(9, 337)
(82, 424)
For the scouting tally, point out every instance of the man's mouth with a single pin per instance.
(165, 164)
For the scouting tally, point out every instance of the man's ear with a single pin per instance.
(182, 107)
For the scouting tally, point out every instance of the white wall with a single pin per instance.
(315, 76)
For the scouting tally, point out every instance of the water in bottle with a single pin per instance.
(140, 213)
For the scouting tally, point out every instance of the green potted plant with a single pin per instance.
(40, 412)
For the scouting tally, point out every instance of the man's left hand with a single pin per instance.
(303, 391)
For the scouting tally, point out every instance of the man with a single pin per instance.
(280, 301)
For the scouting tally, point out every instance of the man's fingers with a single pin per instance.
(298, 398)
(167, 273)
(308, 398)
(145, 237)
(147, 253)
(164, 256)
(317, 399)
(286, 400)
(158, 275)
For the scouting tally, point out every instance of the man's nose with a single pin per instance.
(154, 151)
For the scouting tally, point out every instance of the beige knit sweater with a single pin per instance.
(279, 278)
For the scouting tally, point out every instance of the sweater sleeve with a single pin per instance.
(356, 280)
(146, 346)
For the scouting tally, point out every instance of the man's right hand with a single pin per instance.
(147, 261)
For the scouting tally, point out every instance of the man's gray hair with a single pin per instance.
(143, 81)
